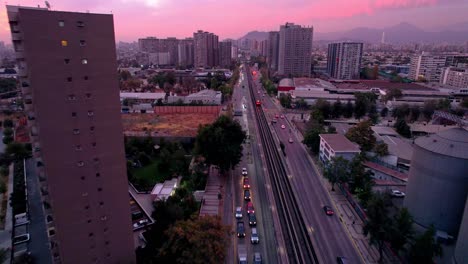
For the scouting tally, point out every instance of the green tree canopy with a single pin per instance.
(285, 100)
(381, 149)
(363, 103)
(393, 93)
(337, 171)
(337, 109)
(348, 110)
(363, 135)
(221, 143)
(425, 248)
(402, 229)
(429, 108)
(402, 128)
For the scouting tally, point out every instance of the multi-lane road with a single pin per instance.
(327, 233)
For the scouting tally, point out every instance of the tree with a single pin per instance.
(197, 240)
(425, 247)
(324, 107)
(302, 104)
(214, 83)
(337, 171)
(373, 115)
(331, 130)
(337, 109)
(384, 112)
(402, 229)
(317, 116)
(8, 132)
(415, 113)
(363, 103)
(7, 123)
(312, 138)
(402, 128)
(401, 111)
(464, 102)
(378, 226)
(429, 108)
(7, 140)
(393, 93)
(124, 75)
(17, 151)
(363, 135)
(285, 100)
(221, 143)
(170, 78)
(381, 149)
(348, 110)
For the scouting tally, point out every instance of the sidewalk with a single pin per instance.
(211, 204)
(5, 235)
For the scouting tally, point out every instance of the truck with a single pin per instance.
(242, 252)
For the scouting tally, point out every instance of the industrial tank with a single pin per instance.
(438, 180)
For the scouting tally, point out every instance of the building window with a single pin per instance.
(85, 78)
(71, 97)
(98, 174)
(64, 43)
(82, 43)
(103, 218)
(86, 207)
(84, 61)
(90, 234)
(80, 24)
(80, 163)
(89, 221)
(84, 194)
(107, 243)
(91, 129)
(73, 114)
(69, 79)
(51, 231)
(101, 203)
(93, 144)
(67, 61)
(76, 131)
(83, 178)
(61, 23)
(88, 95)
(99, 189)
(78, 147)
(90, 113)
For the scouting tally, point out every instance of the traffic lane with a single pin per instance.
(327, 231)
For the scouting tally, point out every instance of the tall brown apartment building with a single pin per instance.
(206, 49)
(67, 70)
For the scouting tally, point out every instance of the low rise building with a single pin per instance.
(204, 97)
(336, 145)
(162, 191)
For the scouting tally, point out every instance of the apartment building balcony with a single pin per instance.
(26, 90)
(19, 54)
(23, 71)
(16, 35)
(41, 175)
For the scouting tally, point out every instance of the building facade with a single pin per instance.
(455, 77)
(295, 50)
(225, 48)
(186, 52)
(344, 60)
(206, 49)
(273, 50)
(427, 67)
(336, 145)
(68, 65)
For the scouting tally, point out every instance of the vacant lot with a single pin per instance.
(175, 125)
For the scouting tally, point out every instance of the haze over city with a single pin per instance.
(232, 19)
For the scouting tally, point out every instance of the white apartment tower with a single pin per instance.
(344, 60)
(427, 66)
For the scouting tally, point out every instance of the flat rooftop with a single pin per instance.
(340, 143)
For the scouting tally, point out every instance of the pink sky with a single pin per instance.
(232, 19)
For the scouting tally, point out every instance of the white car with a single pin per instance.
(238, 212)
(254, 237)
(283, 126)
(397, 193)
(290, 140)
(244, 171)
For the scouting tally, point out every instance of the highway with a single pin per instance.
(328, 235)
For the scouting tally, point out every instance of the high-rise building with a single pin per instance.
(427, 66)
(455, 77)
(186, 52)
(295, 50)
(68, 77)
(149, 44)
(225, 54)
(155, 45)
(206, 49)
(273, 50)
(344, 60)
(263, 47)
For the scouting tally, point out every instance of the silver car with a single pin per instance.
(238, 212)
(254, 237)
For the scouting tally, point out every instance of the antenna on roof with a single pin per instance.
(47, 4)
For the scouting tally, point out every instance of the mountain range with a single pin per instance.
(400, 33)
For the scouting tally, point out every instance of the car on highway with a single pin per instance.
(257, 259)
(397, 193)
(290, 140)
(246, 183)
(342, 260)
(282, 116)
(276, 116)
(254, 237)
(238, 212)
(240, 229)
(274, 120)
(250, 208)
(328, 210)
(283, 126)
(244, 171)
(247, 195)
(252, 220)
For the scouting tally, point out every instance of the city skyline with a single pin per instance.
(141, 18)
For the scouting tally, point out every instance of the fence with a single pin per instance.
(214, 109)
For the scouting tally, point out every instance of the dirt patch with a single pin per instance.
(174, 125)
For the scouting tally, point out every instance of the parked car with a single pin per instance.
(21, 239)
(397, 193)
(246, 183)
(282, 116)
(238, 212)
(328, 210)
(254, 237)
(283, 126)
(252, 220)
(250, 208)
(290, 140)
(240, 229)
(247, 195)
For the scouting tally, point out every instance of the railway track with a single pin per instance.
(298, 244)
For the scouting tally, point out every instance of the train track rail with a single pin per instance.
(298, 243)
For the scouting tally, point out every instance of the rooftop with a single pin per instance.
(385, 170)
(340, 143)
(150, 96)
(286, 82)
(384, 131)
(451, 142)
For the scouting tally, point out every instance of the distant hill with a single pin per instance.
(400, 33)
